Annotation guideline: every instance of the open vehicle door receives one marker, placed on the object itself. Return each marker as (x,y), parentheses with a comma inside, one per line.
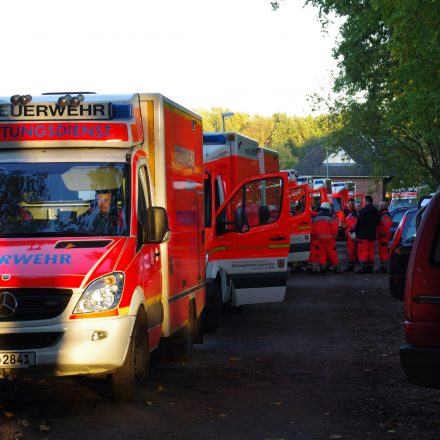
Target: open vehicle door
(251,241)
(300,223)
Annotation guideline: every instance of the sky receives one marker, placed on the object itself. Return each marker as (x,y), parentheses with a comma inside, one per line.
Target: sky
(238,55)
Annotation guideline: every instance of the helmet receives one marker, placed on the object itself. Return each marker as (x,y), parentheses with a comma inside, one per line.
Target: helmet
(326,205)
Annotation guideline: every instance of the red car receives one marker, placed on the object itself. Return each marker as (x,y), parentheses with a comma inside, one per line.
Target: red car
(420,356)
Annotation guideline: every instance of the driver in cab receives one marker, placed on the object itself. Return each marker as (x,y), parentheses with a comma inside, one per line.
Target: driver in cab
(102,218)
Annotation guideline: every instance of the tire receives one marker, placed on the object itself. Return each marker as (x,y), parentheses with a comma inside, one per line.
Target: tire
(136,364)
(213,309)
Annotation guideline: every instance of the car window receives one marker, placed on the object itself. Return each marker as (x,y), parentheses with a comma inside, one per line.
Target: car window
(409,230)
(397,216)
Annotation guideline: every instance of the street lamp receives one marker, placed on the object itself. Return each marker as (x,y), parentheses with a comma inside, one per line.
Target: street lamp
(225,115)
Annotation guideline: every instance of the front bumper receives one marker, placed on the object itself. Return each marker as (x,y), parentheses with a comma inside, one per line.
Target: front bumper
(73,352)
(421,365)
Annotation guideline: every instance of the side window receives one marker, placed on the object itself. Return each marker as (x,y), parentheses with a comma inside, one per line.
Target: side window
(255,204)
(409,230)
(297,201)
(217,194)
(143,200)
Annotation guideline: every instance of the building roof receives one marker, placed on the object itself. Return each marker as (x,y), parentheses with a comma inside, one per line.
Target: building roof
(315,164)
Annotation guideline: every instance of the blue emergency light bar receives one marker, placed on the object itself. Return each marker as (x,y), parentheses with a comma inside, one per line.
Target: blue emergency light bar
(121,111)
(214,138)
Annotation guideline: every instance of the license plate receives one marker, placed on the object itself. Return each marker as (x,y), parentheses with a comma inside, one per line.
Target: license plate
(17,359)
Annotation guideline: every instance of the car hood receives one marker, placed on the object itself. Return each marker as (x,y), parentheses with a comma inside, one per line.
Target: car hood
(64,263)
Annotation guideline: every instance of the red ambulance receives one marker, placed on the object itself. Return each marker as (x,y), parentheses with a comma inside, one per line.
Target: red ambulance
(247,226)
(102,252)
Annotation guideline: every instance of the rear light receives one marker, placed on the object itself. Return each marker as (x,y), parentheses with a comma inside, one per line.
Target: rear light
(397,235)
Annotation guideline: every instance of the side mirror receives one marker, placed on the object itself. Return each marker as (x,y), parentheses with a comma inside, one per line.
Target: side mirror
(156,230)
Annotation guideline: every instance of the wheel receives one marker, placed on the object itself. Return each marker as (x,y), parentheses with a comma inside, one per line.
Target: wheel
(213,309)
(136,364)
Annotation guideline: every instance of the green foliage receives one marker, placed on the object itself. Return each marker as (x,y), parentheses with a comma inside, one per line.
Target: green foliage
(388,87)
(288,135)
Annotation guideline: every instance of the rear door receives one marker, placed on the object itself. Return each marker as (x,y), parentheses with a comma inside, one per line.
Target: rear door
(252,240)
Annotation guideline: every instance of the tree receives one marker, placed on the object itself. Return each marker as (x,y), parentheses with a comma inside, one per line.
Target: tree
(388,88)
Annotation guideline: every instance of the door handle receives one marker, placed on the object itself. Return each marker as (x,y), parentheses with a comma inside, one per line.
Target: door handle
(278,238)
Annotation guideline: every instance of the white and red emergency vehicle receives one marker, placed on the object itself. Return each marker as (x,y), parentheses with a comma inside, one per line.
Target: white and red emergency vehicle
(404,197)
(269,160)
(247,245)
(91,291)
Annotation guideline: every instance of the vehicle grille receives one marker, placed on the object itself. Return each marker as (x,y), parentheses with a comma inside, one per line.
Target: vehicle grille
(28,341)
(36,303)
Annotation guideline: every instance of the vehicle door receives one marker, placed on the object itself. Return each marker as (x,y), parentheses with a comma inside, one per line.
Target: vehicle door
(252,240)
(300,220)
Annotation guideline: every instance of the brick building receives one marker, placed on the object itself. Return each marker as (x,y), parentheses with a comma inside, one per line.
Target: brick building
(341,167)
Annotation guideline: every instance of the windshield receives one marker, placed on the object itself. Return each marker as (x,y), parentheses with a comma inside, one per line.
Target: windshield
(397,216)
(63,199)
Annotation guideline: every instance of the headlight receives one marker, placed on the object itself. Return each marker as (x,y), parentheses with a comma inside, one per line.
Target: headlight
(103,294)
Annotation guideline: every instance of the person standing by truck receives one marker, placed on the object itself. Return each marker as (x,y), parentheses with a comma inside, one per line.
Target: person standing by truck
(324,231)
(365,230)
(352,247)
(383,235)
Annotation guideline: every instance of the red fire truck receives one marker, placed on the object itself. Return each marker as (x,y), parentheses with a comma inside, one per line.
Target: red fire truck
(247,245)
(102,240)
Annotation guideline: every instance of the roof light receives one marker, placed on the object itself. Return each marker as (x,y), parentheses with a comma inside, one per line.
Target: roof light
(15,99)
(74,102)
(21,99)
(25,99)
(214,138)
(121,111)
(62,101)
(71,101)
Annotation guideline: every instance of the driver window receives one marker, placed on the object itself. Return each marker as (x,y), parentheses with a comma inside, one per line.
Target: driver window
(255,204)
(297,201)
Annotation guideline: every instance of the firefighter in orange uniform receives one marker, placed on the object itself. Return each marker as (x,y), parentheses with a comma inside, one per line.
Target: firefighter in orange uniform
(324,231)
(352,250)
(383,236)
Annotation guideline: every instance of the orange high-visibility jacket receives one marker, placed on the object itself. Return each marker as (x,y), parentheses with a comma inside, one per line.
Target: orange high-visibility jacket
(383,230)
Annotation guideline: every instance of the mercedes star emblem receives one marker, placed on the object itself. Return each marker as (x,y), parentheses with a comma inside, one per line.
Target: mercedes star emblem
(8,304)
